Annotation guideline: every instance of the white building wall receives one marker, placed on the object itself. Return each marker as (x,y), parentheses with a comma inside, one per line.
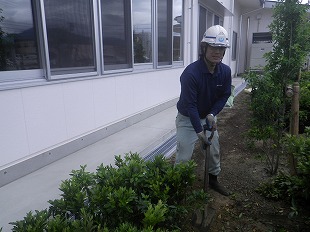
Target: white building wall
(39,118)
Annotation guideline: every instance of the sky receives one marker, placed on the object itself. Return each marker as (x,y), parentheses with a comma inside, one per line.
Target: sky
(303,1)
(13,11)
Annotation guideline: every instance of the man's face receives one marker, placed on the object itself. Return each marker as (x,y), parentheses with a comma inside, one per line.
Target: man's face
(215,54)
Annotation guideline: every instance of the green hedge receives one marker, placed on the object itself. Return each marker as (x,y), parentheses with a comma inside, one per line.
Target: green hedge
(134,195)
(304,104)
(293,188)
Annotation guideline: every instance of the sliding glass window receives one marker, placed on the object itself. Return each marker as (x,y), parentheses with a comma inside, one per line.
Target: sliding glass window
(57,39)
(142,31)
(116,33)
(18,40)
(177,30)
(216,20)
(164,30)
(202,26)
(209,19)
(70,36)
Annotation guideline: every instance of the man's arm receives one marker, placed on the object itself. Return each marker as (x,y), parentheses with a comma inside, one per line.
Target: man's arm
(189,89)
(224,95)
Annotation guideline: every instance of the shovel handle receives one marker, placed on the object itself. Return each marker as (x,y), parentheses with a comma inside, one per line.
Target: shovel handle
(207,128)
(206,151)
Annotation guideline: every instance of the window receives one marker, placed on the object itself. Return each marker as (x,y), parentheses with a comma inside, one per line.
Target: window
(142,31)
(209,19)
(234,46)
(216,20)
(70,36)
(116,33)
(202,25)
(164,29)
(18,38)
(60,39)
(177,30)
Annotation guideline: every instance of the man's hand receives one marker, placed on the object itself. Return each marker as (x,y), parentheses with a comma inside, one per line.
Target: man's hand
(203,139)
(211,121)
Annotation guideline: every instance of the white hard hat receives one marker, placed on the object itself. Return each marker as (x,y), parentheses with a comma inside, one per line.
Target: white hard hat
(216,36)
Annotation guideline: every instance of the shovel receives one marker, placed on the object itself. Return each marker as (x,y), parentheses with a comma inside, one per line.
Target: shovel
(206,154)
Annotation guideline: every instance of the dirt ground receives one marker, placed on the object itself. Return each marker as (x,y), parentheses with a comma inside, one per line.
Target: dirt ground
(242,172)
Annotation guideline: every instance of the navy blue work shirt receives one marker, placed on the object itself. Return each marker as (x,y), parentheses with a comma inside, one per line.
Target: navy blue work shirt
(202,92)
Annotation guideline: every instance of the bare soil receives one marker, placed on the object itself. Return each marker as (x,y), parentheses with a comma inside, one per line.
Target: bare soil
(243,169)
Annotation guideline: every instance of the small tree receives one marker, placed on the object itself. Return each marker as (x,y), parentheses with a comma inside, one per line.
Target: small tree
(291,35)
(291,43)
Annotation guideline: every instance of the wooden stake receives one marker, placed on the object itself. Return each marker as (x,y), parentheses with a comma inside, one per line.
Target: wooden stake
(294,124)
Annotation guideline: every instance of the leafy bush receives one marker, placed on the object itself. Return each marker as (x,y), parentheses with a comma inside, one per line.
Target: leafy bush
(304,102)
(267,121)
(295,189)
(135,195)
(270,106)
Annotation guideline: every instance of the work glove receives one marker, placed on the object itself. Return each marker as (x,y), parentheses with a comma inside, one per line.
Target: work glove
(203,139)
(211,121)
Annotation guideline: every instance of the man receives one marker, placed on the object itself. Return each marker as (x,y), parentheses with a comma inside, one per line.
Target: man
(205,88)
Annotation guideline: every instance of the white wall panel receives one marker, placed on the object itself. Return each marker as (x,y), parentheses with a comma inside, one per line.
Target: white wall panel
(44,116)
(13,137)
(124,96)
(79,107)
(156,88)
(141,92)
(37,118)
(154,83)
(104,101)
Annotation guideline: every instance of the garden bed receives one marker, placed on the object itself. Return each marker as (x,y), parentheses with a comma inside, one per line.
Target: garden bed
(243,169)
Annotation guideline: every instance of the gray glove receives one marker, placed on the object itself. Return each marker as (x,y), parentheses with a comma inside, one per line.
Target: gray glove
(211,121)
(203,139)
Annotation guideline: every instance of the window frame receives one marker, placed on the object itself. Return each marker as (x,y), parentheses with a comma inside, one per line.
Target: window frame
(128,32)
(202,24)
(179,62)
(169,31)
(13,76)
(58,75)
(145,65)
(208,22)
(45,74)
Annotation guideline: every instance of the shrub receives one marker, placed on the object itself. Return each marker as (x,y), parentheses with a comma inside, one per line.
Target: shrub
(270,106)
(135,195)
(294,189)
(304,102)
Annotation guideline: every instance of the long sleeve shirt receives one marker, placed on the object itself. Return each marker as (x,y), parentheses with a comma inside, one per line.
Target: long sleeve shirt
(203,93)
